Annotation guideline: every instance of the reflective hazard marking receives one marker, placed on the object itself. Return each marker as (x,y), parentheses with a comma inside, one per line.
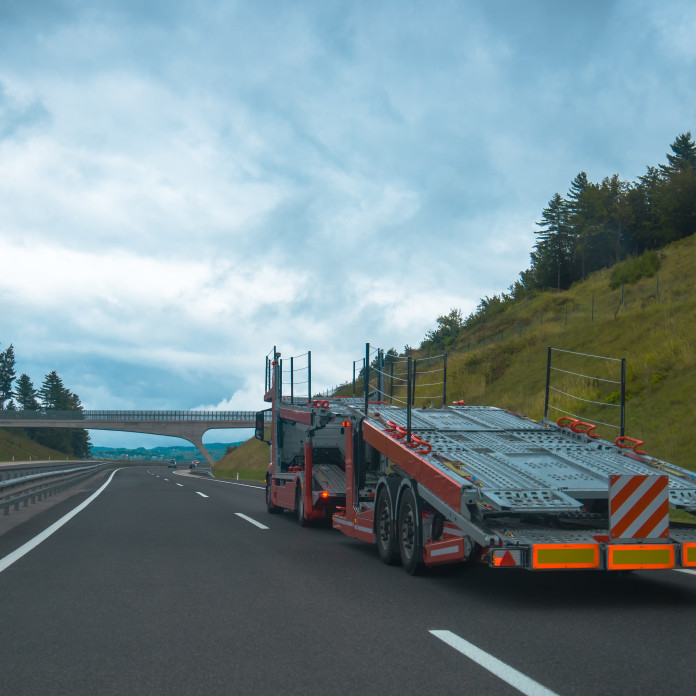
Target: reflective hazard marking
(638,507)
(640,556)
(565,556)
(688,555)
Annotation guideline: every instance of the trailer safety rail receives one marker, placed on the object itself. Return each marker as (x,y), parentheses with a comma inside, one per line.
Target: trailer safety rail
(602,389)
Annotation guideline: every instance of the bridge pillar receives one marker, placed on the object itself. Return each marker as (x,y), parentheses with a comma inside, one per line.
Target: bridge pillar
(197,440)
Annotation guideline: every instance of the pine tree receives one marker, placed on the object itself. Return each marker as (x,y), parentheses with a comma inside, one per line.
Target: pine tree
(25,394)
(554,250)
(53,394)
(684,156)
(7,374)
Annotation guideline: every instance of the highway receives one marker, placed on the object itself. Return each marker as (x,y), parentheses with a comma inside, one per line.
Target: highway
(167,583)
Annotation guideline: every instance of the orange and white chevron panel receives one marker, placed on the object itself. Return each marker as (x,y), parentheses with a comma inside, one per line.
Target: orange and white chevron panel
(638,507)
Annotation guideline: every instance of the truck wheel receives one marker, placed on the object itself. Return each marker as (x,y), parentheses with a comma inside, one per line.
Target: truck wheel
(384,529)
(299,507)
(409,533)
(273,509)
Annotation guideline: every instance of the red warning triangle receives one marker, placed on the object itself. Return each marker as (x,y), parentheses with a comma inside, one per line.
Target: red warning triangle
(508,560)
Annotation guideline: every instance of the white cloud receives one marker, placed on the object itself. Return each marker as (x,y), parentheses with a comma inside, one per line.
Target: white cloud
(181,189)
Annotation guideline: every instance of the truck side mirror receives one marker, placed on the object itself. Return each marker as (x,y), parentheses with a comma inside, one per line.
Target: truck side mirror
(260,425)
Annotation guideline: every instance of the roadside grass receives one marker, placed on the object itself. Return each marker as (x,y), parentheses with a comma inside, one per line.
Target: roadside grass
(16,446)
(249,460)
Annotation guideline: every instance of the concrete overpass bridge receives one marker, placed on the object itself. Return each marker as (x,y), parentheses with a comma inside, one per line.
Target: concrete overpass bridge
(188,425)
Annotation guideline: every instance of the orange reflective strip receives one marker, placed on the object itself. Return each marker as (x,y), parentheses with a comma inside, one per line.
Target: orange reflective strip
(688,555)
(565,556)
(637,556)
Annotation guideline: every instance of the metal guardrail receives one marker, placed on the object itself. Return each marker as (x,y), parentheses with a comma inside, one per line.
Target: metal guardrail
(131,415)
(19,487)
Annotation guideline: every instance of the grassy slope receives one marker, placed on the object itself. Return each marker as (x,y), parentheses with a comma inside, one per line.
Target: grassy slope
(250,460)
(14,446)
(655,333)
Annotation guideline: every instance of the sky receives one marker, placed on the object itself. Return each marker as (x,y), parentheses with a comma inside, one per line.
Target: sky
(184,185)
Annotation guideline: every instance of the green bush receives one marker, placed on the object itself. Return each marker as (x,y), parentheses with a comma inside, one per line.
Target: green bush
(635,268)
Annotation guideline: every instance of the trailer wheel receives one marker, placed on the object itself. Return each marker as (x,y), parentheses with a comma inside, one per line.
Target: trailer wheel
(272,509)
(384,529)
(300,507)
(409,532)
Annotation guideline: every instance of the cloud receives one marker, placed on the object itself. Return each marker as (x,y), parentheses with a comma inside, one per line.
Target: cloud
(185,186)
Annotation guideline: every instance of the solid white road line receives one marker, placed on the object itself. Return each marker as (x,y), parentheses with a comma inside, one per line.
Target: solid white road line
(246,485)
(508,674)
(203,495)
(33,543)
(249,519)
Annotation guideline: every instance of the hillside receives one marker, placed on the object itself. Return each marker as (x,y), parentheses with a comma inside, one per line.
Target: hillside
(15,446)
(249,460)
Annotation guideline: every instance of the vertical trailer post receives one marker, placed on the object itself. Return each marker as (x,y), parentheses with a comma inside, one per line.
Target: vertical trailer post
(353,377)
(548,383)
(444,381)
(408,401)
(380,375)
(391,383)
(309,376)
(623,397)
(280,367)
(292,381)
(366,375)
(413,388)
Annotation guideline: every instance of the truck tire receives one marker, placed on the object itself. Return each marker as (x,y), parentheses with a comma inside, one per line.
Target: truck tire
(300,507)
(384,529)
(408,531)
(272,509)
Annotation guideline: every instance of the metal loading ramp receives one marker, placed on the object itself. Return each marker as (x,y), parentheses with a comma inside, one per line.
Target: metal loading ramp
(521,466)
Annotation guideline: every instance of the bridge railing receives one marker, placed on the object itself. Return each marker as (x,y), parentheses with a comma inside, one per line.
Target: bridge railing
(169,416)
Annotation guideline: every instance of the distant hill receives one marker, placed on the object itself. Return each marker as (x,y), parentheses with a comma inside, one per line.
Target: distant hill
(180,453)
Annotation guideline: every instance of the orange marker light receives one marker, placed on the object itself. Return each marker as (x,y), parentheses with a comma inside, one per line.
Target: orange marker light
(324,494)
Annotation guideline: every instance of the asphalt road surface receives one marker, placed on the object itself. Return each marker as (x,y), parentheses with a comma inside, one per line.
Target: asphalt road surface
(172,584)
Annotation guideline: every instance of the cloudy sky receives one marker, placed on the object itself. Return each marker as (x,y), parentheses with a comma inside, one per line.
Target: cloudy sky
(184,184)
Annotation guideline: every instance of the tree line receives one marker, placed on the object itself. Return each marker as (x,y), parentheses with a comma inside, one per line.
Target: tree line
(53,395)
(594,226)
